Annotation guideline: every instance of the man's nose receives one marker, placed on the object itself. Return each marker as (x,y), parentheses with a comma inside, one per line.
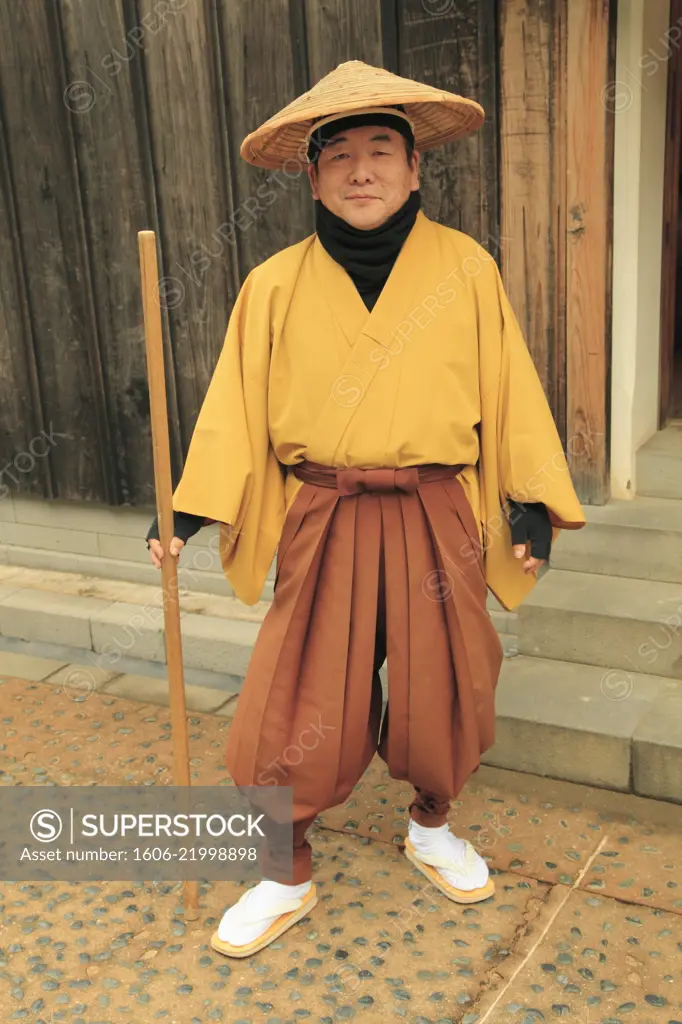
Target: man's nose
(361,170)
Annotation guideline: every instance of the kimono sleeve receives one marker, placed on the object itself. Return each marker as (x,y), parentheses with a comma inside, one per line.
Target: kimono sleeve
(229,465)
(531,462)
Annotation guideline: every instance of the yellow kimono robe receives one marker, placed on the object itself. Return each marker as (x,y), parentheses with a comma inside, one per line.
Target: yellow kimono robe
(438,371)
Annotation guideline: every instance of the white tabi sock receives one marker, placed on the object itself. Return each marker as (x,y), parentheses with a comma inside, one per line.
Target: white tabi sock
(261,898)
(466,870)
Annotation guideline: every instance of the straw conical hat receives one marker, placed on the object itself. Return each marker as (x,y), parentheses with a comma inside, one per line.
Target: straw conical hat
(437,116)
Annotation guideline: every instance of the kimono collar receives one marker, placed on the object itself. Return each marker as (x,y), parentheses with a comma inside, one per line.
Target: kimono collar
(366,255)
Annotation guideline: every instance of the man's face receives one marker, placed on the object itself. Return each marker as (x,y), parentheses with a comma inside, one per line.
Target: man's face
(363,176)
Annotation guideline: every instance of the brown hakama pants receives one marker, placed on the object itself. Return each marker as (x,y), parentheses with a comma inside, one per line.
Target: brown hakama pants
(372,564)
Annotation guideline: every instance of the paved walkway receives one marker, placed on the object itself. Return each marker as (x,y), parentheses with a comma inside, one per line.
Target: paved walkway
(585,925)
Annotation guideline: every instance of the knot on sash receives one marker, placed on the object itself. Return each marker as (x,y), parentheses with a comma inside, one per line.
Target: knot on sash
(354,480)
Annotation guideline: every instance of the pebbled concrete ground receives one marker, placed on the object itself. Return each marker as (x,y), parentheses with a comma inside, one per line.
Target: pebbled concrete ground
(585,924)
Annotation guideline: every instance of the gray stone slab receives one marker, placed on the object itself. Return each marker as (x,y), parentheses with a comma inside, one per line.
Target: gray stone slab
(86,517)
(642,511)
(48,537)
(228,684)
(510,644)
(25,666)
(156,691)
(639,539)
(568,721)
(10,573)
(124,629)
(7,509)
(61,654)
(504,622)
(228,709)
(116,569)
(657,747)
(591,593)
(53,618)
(78,678)
(218,645)
(196,555)
(664,442)
(557,752)
(9,587)
(659,464)
(613,622)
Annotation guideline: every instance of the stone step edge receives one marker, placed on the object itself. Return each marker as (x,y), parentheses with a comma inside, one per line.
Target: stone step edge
(199,699)
(587,730)
(138,592)
(192,602)
(596,580)
(621,511)
(73,584)
(204,643)
(82,622)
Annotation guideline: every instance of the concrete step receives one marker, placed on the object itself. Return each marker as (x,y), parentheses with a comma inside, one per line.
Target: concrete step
(199,563)
(640,539)
(113,619)
(571,721)
(510,644)
(630,626)
(658,464)
(90,542)
(560,720)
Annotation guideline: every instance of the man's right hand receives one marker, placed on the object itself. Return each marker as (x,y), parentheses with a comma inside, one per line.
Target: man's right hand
(156,551)
(185,524)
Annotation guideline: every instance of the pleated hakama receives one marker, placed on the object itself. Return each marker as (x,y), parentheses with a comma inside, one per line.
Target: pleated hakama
(372,564)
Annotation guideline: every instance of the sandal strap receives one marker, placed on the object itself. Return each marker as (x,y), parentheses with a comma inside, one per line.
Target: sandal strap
(461,866)
(246,914)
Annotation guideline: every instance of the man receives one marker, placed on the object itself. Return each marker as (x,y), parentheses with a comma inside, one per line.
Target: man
(376,416)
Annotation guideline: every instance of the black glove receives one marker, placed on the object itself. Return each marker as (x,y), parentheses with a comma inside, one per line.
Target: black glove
(529,521)
(185,525)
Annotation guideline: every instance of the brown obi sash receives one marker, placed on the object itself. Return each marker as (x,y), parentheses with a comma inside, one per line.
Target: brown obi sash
(352,480)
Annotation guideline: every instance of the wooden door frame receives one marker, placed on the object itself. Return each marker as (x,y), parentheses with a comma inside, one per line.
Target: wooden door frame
(590,122)
(561,287)
(670,256)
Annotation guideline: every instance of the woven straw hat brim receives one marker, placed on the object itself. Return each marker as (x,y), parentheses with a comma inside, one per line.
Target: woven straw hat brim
(438,116)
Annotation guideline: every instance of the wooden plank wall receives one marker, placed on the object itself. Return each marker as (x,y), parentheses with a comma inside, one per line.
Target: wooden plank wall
(589,204)
(50,296)
(103,101)
(119,115)
(556,58)
(533,182)
(454,45)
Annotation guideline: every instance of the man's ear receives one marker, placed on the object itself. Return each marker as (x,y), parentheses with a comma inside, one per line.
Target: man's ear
(312,177)
(415,164)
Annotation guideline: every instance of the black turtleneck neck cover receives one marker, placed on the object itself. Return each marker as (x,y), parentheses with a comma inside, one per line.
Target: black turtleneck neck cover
(366,255)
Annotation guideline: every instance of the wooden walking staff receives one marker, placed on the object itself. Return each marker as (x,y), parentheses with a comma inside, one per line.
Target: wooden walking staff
(164,507)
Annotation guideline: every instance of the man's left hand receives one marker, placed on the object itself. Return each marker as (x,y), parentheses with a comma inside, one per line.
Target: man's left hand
(531,565)
(531,533)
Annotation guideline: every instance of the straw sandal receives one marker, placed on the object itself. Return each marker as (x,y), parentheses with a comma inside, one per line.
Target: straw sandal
(434,876)
(290,911)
